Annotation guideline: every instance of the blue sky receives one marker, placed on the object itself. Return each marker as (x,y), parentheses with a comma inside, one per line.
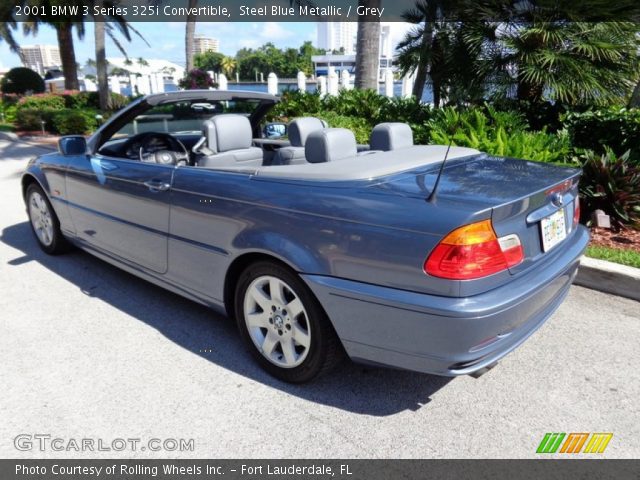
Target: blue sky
(167,39)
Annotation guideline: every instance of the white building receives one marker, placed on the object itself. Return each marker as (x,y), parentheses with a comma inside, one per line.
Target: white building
(202,44)
(40,57)
(337,36)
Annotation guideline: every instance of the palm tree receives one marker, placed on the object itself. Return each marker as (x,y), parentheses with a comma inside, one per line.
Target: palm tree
(190,31)
(102,27)
(228,65)
(368,48)
(547,54)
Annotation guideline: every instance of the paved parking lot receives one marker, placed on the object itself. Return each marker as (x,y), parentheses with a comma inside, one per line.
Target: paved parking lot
(88,351)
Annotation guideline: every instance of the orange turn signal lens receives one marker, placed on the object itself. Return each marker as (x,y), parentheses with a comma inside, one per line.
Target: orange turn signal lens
(473,251)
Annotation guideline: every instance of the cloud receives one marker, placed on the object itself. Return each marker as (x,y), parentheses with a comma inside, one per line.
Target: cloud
(274,31)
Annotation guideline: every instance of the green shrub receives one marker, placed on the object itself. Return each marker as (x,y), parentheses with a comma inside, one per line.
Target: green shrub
(359,126)
(8,111)
(538,116)
(294,103)
(610,183)
(356,103)
(22,80)
(117,100)
(45,101)
(616,128)
(70,122)
(29,119)
(497,133)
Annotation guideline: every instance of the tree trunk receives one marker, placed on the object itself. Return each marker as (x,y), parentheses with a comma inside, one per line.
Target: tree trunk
(101,62)
(67,55)
(421,71)
(189,34)
(368,48)
(634,101)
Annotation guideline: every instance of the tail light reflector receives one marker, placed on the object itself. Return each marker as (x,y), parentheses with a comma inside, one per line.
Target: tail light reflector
(473,251)
(576,211)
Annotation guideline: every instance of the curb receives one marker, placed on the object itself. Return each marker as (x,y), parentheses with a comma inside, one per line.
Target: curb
(12,137)
(608,277)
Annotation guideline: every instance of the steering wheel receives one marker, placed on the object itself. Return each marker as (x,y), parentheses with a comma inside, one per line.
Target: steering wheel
(176,154)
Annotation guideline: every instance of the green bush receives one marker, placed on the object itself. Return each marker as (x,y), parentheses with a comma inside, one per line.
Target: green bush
(8,111)
(117,101)
(45,101)
(29,119)
(294,103)
(70,122)
(497,133)
(610,183)
(615,128)
(356,103)
(359,126)
(21,80)
(538,116)
(72,100)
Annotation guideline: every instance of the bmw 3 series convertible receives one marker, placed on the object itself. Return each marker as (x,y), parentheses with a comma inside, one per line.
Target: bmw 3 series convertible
(431,258)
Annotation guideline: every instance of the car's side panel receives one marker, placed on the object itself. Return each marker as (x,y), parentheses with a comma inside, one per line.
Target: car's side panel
(217,216)
(113,209)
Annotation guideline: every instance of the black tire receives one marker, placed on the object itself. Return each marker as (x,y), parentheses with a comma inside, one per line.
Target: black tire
(57,243)
(324,351)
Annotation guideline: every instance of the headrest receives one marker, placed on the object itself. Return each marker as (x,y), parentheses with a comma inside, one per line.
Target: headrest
(301,127)
(329,145)
(391,136)
(228,131)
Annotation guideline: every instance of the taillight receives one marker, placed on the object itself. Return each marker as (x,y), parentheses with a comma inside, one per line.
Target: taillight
(473,251)
(576,211)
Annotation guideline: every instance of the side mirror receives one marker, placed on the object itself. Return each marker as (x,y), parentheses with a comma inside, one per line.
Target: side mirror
(72,145)
(275,130)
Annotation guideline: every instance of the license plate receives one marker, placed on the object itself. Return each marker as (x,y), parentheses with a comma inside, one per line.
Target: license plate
(553,229)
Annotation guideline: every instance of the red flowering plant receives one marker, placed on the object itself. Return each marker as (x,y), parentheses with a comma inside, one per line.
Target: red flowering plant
(196,79)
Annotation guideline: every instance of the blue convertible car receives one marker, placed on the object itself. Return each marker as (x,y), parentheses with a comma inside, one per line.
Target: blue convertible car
(318,246)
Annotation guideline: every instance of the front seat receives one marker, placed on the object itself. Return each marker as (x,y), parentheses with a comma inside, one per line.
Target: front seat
(298,131)
(391,136)
(229,139)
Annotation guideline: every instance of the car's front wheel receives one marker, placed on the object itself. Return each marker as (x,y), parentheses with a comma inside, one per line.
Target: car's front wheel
(283,324)
(44,222)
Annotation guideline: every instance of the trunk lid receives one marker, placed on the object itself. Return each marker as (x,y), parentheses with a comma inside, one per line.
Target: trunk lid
(518,195)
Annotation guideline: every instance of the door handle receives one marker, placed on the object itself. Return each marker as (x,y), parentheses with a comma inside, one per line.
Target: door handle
(157,185)
(108,166)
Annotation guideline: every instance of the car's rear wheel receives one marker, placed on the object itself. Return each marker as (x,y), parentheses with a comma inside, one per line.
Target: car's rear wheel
(283,324)
(44,222)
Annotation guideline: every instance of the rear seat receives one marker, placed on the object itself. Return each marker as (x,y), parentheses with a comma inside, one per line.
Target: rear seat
(391,136)
(299,131)
(330,145)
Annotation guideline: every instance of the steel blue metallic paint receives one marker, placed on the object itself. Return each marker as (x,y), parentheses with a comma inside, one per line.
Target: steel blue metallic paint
(359,245)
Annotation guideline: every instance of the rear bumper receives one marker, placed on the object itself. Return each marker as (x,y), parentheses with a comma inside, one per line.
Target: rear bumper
(445,335)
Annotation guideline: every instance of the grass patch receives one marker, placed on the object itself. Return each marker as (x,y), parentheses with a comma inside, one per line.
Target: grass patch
(615,255)
(7,127)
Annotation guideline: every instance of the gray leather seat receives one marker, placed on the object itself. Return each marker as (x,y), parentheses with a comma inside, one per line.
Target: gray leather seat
(229,141)
(298,131)
(391,136)
(330,145)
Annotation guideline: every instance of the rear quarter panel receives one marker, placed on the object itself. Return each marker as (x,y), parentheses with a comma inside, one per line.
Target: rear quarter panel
(350,231)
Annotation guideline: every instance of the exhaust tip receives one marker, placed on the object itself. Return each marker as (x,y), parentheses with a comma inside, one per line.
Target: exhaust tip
(483,370)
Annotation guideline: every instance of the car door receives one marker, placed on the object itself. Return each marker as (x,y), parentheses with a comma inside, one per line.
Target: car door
(122,207)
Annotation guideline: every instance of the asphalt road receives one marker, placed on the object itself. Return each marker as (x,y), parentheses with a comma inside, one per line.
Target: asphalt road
(87,351)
